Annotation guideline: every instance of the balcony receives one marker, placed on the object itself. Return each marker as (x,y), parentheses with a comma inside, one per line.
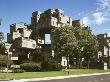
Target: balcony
(25,43)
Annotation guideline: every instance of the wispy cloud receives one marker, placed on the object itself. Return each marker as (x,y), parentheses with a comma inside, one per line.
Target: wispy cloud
(99,16)
(86,20)
(103,4)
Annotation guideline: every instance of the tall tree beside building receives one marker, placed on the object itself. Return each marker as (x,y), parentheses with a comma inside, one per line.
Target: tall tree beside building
(3,57)
(64,42)
(2,47)
(1,40)
(87,45)
(74,42)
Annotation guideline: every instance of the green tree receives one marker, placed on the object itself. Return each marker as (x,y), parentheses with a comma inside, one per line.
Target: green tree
(75,42)
(4,60)
(87,44)
(64,42)
(51,64)
(2,47)
(90,50)
(36,55)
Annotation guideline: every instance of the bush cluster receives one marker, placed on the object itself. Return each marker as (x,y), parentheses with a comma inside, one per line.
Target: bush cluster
(2,68)
(31,67)
(18,71)
(51,65)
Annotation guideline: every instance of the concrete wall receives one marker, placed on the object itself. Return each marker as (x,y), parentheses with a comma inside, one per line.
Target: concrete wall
(28,43)
(64,61)
(105,50)
(12,36)
(26,33)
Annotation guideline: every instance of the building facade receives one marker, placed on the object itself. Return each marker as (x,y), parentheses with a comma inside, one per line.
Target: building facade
(104,48)
(23,38)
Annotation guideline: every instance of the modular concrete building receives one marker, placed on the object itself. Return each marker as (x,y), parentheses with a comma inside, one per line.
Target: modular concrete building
(23,38)
(104,48)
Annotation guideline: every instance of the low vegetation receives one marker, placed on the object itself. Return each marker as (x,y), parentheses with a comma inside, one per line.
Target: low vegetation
(27,75)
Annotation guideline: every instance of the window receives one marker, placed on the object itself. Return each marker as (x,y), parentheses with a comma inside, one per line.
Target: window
(33,45)
(64,62)
(47,39)
(26,37)
(20,30)
(53,22)
(60,18)
(39,41)
(61,14)
(68,22)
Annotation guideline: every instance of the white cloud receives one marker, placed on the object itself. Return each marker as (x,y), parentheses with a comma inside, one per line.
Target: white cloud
(95,18)
(103,4)
(86,20)
(99,16)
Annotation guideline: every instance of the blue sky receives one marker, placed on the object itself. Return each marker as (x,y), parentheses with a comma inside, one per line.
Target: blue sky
(94,13)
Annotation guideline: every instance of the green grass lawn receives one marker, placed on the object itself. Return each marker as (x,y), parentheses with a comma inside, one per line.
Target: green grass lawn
(50,74)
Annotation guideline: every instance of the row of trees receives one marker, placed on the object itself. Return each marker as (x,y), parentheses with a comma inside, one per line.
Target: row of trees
(75,43)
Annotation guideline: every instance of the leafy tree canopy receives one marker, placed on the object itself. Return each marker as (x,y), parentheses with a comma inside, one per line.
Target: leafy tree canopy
(78,42)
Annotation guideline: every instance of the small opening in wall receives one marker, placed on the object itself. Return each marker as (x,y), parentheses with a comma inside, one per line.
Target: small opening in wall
(64,62)
(53,22)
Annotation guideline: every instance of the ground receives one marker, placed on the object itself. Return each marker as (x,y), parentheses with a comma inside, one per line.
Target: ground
(27,75)
(94,78)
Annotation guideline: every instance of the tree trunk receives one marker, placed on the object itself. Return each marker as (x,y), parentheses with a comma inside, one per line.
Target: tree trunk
(79,63)
(67,62)
(88,64)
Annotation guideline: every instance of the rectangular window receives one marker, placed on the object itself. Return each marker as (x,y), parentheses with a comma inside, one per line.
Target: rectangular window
(47,39)
(60,19)
(53,22)
(33,45)
(64,62)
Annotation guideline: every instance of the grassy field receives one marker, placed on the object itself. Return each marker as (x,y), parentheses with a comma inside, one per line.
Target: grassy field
(50,74)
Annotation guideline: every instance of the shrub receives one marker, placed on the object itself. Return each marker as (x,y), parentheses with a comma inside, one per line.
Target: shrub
(18,71)
(2,68)
(51,65)
(31,67)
